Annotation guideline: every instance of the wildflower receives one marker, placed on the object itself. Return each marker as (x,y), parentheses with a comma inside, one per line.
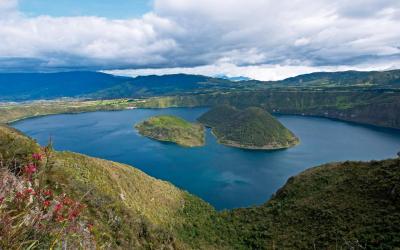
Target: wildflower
(29,191)
(46,203)
(73,214)
(47,192)
(37,156)
(19,195)
(58,207)
(1,200)
(30,168)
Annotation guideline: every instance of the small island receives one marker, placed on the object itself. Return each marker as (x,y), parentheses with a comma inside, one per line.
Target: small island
(251,128)
(173,129)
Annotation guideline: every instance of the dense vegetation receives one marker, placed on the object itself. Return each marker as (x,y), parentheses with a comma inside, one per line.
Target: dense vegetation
(251,128)
(172,129)
(350,205)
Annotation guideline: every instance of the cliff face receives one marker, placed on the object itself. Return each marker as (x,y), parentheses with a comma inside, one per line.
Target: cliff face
(374,108)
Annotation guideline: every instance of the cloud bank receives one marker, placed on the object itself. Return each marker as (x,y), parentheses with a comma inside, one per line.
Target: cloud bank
(261,39)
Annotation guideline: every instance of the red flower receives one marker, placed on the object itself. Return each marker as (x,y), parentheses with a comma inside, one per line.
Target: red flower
(37,156)
(73,214)
(58,208)
(1,200)
(19,195)
(46,203)
(90,227)
(47,192)
(30,169)
(29,191)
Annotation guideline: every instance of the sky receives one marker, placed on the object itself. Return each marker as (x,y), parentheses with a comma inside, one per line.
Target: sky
(260,39)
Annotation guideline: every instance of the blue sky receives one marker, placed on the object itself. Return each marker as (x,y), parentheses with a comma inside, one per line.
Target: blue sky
(104,8)
(260,39)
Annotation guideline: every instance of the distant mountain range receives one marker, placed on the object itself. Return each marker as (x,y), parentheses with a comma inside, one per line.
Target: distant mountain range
(36,86)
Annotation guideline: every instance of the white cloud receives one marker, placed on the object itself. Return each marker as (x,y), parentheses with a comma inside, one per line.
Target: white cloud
(263,72)
(266,38)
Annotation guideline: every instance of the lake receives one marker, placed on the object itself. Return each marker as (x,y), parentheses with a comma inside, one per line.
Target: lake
(223,176)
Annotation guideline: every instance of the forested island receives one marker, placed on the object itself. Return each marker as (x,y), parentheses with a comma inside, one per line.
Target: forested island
(172,129)
(250,128)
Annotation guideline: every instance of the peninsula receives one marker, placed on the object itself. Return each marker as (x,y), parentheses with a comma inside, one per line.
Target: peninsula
(251,128)
(172,129)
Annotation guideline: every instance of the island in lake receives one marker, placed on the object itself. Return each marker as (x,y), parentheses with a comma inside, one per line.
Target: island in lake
(251,128)
(173,129)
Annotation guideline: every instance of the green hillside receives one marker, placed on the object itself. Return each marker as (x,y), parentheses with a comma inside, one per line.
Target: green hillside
(350,205)
(251,128)
(127,207)
(172,129)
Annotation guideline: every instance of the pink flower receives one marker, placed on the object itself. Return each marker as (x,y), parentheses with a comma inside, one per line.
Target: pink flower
(58,208)
(29,191)
(37,156)
(30,169)
(47,192)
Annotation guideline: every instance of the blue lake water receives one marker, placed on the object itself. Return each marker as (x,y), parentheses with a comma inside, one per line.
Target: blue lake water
(225,177)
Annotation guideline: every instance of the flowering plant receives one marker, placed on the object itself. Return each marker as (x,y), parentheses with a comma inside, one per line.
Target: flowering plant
(35,216)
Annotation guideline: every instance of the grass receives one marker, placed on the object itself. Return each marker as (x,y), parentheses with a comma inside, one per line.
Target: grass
(173,129)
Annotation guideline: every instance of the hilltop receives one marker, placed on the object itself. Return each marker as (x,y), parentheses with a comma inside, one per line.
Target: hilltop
(172,129)
(251,128)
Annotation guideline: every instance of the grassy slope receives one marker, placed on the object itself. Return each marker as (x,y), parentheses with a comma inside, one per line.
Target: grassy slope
(172,129)
(128,207)
(249,128)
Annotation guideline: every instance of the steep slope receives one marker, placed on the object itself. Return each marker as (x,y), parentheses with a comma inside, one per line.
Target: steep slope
(172,129)
(251,128)
(128,208)
(350,205)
